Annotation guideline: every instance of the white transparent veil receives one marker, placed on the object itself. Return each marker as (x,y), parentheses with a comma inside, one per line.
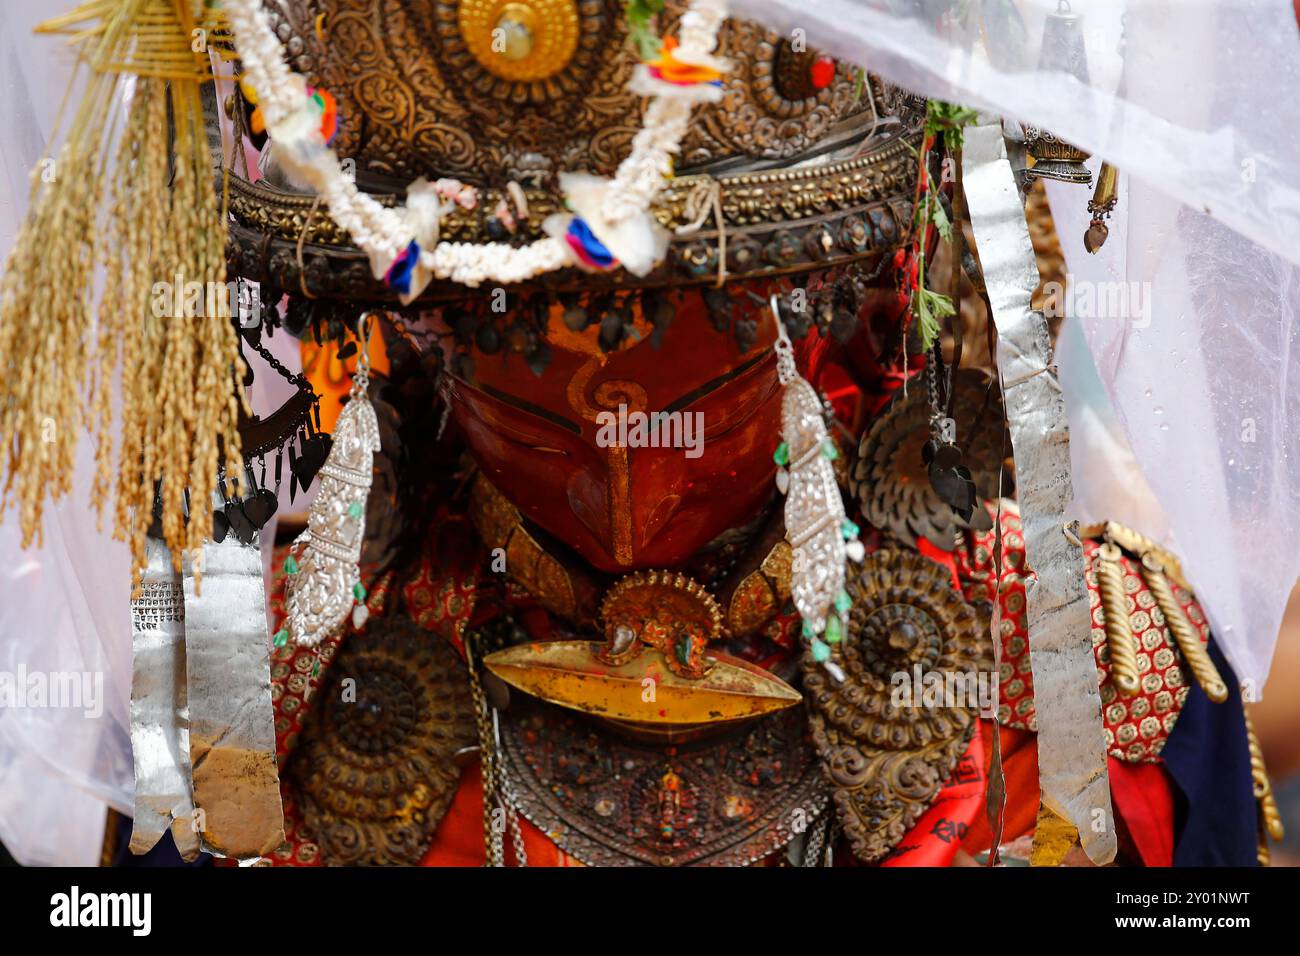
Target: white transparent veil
(1197,102)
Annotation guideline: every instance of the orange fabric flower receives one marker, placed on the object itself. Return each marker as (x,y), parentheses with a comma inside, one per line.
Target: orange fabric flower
(669,69)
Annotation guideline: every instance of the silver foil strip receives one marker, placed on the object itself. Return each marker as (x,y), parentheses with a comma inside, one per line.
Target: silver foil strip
(1071,740)
(232,722)
(160,734)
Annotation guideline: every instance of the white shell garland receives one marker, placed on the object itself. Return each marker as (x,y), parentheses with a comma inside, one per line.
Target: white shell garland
(819,532)
(384,233)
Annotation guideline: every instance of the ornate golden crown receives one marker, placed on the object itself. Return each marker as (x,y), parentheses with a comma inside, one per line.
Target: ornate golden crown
(507,95)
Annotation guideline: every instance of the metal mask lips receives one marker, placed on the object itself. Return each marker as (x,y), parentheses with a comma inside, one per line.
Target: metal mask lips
(544,441)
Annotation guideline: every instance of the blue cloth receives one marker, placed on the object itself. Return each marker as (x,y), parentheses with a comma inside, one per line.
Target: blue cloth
(399,273)
(1208,757)
(593,251)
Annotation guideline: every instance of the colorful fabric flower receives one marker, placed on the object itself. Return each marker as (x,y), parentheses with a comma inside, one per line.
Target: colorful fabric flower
(328,111)
(398,276)
(322,101)
(590,251)
(668,69)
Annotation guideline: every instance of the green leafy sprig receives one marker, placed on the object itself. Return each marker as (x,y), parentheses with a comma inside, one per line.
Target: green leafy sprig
(640,16)
(944,127)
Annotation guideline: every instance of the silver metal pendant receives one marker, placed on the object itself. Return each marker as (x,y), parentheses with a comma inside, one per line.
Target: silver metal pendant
(820,534)
(323,581)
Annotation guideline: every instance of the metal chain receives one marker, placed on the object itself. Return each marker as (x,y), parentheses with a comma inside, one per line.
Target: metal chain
(298,379)
(512,816)
(832,833)
(492,844)
(812,852)
(932,396)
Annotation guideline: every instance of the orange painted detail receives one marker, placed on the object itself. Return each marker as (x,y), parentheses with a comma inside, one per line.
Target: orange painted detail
(332,377)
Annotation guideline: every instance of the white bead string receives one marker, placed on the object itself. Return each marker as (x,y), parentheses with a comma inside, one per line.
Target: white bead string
(383,232)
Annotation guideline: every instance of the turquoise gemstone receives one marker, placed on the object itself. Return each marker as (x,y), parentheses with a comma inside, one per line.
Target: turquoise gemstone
(281,638)
(358,591)
(684,650)
(834,629)
(821,651)
(355,511)
(843,602)
(291,565)
(782,454)
(829,451)
(849,530)
(808,632)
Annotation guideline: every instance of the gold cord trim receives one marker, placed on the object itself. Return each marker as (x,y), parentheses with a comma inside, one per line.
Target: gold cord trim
(1119,635)
(1189,642)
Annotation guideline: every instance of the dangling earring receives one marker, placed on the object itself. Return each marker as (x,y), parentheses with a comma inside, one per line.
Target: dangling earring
(323,581)
(820,535)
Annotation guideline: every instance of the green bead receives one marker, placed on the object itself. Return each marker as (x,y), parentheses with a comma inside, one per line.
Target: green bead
(281,637)
(358,591)
(834,630)
(849,530)
(782,454)
(821,652)
(843,602)
(808,632)
(355,511)
(291,565)
(315,668)
(829,451)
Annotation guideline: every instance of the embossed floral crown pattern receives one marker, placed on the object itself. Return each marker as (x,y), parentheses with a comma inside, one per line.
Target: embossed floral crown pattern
(421,94)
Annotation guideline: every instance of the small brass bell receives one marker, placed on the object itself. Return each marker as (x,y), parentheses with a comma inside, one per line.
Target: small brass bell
(1063,51)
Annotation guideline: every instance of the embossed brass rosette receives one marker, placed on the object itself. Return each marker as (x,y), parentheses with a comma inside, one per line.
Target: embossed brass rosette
(890,480)
(891,733)
(375,772)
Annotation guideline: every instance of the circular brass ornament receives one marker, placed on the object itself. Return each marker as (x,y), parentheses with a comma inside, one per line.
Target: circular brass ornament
(375,770)
(888,744)
(520,40)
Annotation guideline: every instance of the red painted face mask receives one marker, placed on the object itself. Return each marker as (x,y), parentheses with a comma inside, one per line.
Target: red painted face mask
(636,458)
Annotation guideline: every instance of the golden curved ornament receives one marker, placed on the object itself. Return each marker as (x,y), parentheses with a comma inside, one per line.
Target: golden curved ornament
(669,612)
(642,692)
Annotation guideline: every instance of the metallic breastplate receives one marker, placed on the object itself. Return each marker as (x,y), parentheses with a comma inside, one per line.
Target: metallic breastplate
(729,800)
